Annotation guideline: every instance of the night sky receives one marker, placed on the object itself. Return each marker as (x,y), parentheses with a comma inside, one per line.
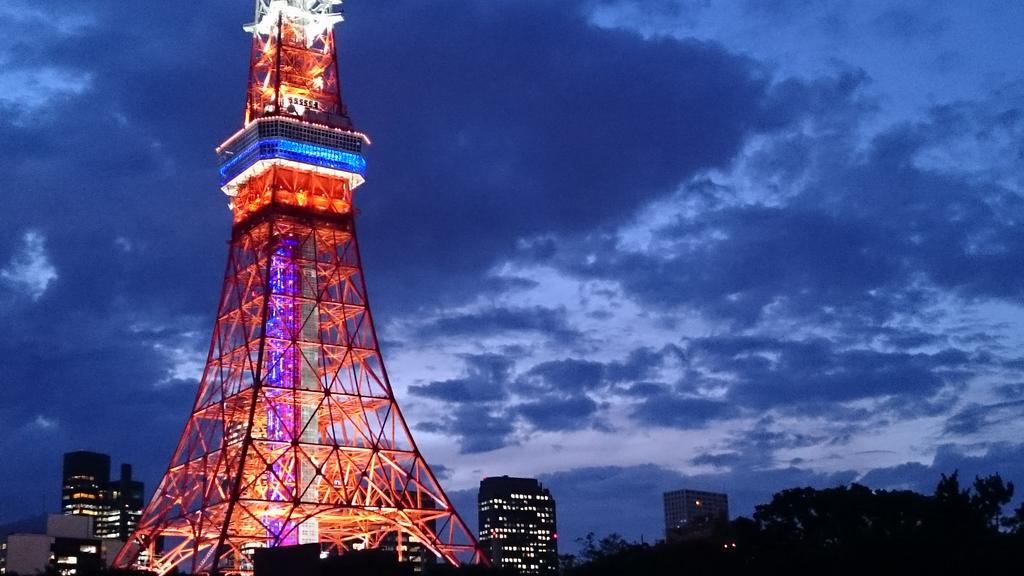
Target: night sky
(624,246)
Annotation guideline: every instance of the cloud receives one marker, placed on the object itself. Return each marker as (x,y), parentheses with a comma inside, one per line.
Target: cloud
(477,428)
(185,358)
(30,271)
(976,419)
(52,18)
(45,423)
(548,124)
(124,244)
(776,372)
(563,377)
(811,225)
(1002,458)
(486,380)
(559,414)
(664,409)
(27,92)
(538,320)
(472,410)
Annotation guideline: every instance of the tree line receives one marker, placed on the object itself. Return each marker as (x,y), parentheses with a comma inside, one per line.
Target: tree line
(838,531)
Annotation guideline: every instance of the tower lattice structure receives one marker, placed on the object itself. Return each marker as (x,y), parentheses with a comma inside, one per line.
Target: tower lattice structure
(295,436)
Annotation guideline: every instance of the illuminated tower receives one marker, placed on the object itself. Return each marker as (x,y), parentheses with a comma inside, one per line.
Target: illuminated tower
(295,436)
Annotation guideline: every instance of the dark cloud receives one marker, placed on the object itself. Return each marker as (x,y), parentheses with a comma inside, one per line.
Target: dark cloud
(563,377)
(718,460)
(979,418)
(643,363)
(704,380)
(542,125)
(559,414)
(642,389)
(1006,460)
(676,411)
(865,238)
(486,380)
(761,445)
(1011,391)
(474,414)
(753,374)
(771,372)
(476,428)
(562,392)
(491,321)
(570,375)
(556,395)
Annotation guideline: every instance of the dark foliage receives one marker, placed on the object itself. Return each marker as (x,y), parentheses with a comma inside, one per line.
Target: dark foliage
(104,572)
(446,570)
(838,531)
(376,562)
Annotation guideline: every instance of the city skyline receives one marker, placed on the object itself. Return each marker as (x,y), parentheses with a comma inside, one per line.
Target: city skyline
(621,246)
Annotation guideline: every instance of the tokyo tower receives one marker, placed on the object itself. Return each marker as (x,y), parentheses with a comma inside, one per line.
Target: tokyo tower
(295,436)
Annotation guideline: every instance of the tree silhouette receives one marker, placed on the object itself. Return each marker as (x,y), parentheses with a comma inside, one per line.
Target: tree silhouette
(838,531)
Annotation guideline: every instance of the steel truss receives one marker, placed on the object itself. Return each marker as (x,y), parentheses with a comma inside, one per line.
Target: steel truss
(295,436)
(294,62)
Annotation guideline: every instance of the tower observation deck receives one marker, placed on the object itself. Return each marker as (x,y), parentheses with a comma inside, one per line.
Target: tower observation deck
(295,436)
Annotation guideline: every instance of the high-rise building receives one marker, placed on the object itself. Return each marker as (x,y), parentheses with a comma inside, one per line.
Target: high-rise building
(86,479)
(295,436)
(693,513)
(517,524)
(113,507)
(125,500)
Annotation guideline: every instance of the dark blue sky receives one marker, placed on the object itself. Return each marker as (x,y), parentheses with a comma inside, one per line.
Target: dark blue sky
(627,246)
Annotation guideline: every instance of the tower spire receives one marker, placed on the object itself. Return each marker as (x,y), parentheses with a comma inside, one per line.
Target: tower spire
(295,436)
(293,68)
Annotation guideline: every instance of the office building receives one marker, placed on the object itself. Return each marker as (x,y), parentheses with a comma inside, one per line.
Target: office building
(68,548)
(86,480)
(693,513)
(517,525)
(114,506)
(125,507)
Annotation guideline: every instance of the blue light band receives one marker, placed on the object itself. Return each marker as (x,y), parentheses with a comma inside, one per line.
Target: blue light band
(291,150)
